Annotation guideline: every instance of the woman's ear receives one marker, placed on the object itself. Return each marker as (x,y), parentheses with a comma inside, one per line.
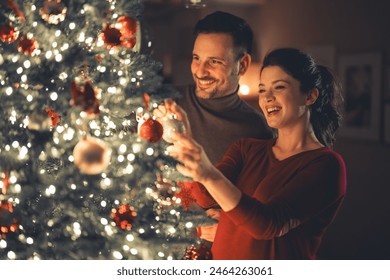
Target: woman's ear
(312,96)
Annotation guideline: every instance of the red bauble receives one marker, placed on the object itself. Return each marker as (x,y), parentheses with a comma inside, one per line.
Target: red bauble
(91,155)
(111,37)
(151,130)
(124,216)
(85,96)
(127,27)
(53,11)
(198,253)
(8,34)
(8,222)
(28,46)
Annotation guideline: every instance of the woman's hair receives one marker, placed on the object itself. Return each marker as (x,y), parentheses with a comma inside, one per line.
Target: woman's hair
(324,115)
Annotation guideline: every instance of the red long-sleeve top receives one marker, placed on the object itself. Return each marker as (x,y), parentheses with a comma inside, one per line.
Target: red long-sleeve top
(286,205)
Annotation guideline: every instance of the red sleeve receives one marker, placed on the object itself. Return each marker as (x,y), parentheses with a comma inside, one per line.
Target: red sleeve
(317,189)
(230,166)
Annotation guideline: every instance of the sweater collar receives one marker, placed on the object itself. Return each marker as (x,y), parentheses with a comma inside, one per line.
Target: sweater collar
(224,103)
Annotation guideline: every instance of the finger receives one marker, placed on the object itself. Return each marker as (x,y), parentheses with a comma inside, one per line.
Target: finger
(185,171)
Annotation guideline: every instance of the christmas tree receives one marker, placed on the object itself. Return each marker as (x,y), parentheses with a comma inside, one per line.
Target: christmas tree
(83,168)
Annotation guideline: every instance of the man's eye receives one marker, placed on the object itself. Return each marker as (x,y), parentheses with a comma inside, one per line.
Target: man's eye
(214,61)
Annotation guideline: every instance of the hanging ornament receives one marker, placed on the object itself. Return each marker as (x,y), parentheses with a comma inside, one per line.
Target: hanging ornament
(8,222)
(128,28)
(184,196)
(85,97)
(124,216)
(53,11)
(5,182)
(8,33)
(55,118)
(111,37)
(39,121)
(28,46)
(198,253)
(16,10)
(91,155)
(150,130)
(171,126)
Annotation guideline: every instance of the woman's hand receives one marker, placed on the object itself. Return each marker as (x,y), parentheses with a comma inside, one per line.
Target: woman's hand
(195,163)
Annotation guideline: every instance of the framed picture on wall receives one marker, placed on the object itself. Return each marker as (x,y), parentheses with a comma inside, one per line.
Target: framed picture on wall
(360,75)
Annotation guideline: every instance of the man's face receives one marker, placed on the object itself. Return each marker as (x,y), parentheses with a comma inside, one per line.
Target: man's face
(214,67)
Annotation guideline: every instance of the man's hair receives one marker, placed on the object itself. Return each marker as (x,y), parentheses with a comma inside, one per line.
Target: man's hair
(222,22)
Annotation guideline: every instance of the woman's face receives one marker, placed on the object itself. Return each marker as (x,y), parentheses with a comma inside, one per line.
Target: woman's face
(281,99)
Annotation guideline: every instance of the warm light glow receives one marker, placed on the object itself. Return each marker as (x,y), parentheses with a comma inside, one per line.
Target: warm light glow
(249,82)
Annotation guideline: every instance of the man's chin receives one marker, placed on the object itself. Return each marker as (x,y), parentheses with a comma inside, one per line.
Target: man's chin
(204,94)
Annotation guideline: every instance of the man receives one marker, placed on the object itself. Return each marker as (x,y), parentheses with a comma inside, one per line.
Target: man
(217,115)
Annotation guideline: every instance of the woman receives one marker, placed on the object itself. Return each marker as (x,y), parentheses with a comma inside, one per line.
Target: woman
(278,196)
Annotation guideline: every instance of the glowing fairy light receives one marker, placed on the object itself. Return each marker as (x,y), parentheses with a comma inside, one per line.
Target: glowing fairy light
(160,254)
(11,255)
(50,190)
(27,64)
(149,151)
(19,70)
(3,244)
(104,221)
(130,237)
(58,57)
(121,158)
(111,90)
(129,169)
(127,61)
(71,158)
(81,37)
(63,76)
(120,73)
(117,255)
(122,148)
(17,188)
(73,186)
(103,203)
(9,91)
(101,69)
(131,157)
(134,251)
(23,78)
(57,33)
(23,152)
(89,40)
(15,58)
(48,54)
(65,47)
(123,81)
(54,45)
(97,133)
(189,225)
(172,230)
(133,80)
(29,240)
(53,96)
(139,73)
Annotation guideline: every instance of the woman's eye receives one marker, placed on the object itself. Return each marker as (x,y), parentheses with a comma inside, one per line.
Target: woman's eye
(279,87)
(261,91)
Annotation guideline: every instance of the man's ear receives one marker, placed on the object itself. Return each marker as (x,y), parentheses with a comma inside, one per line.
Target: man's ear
(312,96)
(245,61)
